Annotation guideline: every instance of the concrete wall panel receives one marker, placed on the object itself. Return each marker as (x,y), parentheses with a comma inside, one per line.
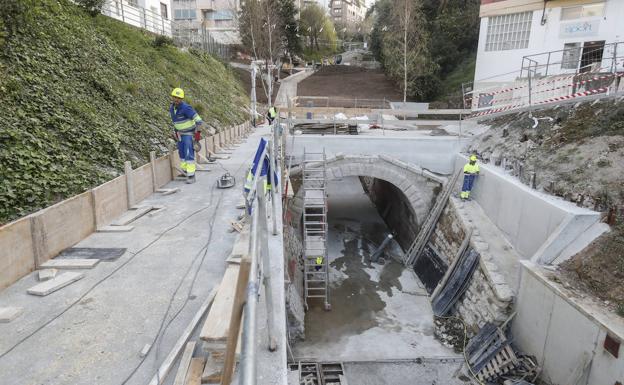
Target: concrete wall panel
(17,256)
(565,332)
(526,217)
(142,181)
(211,143)
(111,200)
(163,171)
(63,225)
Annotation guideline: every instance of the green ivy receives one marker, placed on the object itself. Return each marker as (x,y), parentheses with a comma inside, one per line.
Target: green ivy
(79,95)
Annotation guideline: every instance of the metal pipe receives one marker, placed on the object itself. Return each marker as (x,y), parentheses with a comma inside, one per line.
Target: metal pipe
(272,182)
(248,336)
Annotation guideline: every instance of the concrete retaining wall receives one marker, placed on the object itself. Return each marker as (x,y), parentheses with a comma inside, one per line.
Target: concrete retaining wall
(537,225)
(566,333)
(436,154)
(17,257)
(32,240)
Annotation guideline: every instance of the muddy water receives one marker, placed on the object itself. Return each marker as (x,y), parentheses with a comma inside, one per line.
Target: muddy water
(355,231)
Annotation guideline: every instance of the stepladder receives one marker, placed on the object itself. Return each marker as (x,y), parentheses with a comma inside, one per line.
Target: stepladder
(315,258)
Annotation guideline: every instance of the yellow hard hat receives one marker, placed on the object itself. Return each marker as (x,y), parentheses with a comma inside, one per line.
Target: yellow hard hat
(473,157)
(178,93)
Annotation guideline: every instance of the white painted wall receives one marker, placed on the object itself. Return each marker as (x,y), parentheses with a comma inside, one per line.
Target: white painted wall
(495,68)
(565,333)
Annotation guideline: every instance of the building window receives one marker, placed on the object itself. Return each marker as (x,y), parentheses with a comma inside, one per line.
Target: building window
(185,14)
(163,11)
(507,32)
(571,56)
(580,11)
(134,3)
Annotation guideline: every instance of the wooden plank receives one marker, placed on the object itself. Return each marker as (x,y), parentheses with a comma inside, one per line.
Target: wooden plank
(185,362)
(212,371)
(131,215)
(115,229)
(55,284)
(78,263)
(218,319)
(235,320)
(167,364)
(8,314)
(195,371)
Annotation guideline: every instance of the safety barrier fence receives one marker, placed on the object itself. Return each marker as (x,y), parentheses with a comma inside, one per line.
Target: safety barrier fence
(541,84)
(32,240)
(328,101)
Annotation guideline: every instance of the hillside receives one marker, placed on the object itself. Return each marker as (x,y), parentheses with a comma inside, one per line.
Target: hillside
(79,95)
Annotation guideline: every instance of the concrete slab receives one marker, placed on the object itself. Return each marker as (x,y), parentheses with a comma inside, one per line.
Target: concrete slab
(131,216)
(115,229)
(55,284)
(8,314)
(68,264)
(420,372)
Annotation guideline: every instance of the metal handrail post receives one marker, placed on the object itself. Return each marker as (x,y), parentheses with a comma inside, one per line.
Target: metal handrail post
(266,269)
(248,336)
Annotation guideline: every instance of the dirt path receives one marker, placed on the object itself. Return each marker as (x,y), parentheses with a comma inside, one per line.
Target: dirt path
(350,82)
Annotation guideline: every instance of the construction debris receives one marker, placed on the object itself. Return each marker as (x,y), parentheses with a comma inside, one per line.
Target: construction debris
(47,274)
(450,332)
(55,284)
(115,229)
(145,350)
(8,314)
(327,128)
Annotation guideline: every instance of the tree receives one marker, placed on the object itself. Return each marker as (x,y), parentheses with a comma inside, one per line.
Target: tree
(313,20)
(287,15)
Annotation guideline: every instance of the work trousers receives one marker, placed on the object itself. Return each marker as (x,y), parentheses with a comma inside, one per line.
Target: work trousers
(187,154)
(467,186)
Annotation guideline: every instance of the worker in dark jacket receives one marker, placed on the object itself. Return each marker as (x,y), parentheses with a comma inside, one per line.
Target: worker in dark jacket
(471,170)
(185,121)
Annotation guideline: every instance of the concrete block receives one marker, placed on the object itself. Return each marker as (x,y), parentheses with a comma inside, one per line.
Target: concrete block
(110,200)
(47,274)
(55,284)
(63,225)
(8,314)
(77,263)
(145,350)
(17,256)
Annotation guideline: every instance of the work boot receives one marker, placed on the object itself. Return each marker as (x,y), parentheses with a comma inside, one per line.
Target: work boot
(190,179)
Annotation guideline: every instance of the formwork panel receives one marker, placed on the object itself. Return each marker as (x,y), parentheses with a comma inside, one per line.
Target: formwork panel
(16,252)
(110,200)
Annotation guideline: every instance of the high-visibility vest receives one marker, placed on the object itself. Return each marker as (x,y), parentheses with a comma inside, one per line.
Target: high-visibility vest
(184,117)
(319,260)
(272,112)
(471,168)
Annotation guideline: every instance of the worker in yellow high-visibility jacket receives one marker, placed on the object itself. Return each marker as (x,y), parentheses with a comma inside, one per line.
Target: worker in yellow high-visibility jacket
(471,170)
(186,123)
(319,263)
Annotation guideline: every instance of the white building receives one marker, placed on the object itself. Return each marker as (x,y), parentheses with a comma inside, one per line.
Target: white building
(347,12)
(152,15)
(547,38)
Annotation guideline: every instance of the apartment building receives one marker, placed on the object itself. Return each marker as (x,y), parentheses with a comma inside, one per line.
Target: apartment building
(347,12)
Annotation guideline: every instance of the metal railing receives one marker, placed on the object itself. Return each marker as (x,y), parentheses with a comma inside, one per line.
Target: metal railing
(552,77)
(182,34)
(130,13)
(331,101)
(260,271)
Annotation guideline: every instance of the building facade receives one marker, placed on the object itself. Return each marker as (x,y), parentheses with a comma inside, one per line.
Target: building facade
(347,12)
(547,38)
(151,15)
(211,14)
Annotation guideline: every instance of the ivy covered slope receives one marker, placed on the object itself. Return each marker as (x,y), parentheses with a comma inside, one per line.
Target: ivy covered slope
(79,95)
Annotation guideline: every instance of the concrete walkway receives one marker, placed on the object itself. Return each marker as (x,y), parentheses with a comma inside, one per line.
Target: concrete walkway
(92,331)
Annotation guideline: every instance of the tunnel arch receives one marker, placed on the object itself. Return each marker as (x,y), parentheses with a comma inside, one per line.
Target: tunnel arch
(418,185)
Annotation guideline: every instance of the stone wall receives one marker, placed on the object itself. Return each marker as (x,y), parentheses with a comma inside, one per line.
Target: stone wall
(488,297)
(293,251)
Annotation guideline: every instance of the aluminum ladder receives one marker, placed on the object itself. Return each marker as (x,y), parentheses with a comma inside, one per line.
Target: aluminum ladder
(418,245)
(316,276)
